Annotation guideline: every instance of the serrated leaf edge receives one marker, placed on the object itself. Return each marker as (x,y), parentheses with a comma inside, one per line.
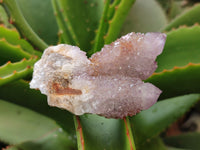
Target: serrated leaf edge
(175,68)
(14,74)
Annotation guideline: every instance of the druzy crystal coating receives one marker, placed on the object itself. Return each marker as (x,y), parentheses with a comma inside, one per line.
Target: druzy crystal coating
(110,83)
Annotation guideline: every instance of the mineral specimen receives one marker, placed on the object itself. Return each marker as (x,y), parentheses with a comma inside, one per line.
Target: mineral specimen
(109,83)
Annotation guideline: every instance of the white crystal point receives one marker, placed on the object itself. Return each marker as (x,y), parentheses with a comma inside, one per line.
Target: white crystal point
(62,61)
(108,84)
(132,55)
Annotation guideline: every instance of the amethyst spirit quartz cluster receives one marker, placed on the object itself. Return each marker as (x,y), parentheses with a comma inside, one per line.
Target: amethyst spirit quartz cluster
(109,83)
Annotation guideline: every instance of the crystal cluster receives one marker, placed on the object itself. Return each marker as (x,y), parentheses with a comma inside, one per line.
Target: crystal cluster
(109,83)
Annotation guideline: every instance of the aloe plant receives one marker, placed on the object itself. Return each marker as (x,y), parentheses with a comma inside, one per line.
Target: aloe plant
(28,27)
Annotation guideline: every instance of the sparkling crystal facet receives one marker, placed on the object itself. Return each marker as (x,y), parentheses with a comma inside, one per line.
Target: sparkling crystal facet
(109,83)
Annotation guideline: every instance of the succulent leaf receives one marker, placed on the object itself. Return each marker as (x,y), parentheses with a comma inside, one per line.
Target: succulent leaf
(153,144)
(106,133)
(174,148)
(11,52)
(18,123)
(13,37)
(185,141)
(83,23)
(64,34)
(117,20)
(102,29)
(18,19)
(149,123)
(188,18)
(39,15)
(185,78)
(111,23)
(19,93)
(56,140)
(179,63)
(11,148)
(4,18)
(14,71)
(140,19)
(182,47)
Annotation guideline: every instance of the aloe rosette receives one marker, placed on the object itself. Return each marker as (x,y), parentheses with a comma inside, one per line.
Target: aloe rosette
(26,120)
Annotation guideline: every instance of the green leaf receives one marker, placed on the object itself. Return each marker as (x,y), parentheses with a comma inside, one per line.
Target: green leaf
(11,148)
(188,17)
(13,37)
(18,19)
(186,141)
(149,123)
(17,124)
(63,33)
(11,52)
(39,15)
(112,134)
(4,18)
(140,18)
(165,4)
(111,22)
(19,93)
(182,47)
(102,29)
(14,71)
(177,81)
(175,9)
(117,19)
(173,148)
(179,63)
(82,19)
(153,144)
(55,140)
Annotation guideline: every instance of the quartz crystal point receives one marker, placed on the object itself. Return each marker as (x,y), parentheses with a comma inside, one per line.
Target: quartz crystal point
(108,84)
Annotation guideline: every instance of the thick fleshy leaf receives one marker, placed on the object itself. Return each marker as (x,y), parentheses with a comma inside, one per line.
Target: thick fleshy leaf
(173,8)
(63,34)
(181,58)
(165,4)
(182,47)
(140,17)
(17,124)
(176,8)
(101,133)
(11,52)
(177,81)
(185,141)
(116,18)
(57,140)
(39,14)
(12,36)
(153,144)
(82,19)
(102,29)
(14,71)
(111,22)
(151,122)
(18,92)
(173,148)
(189,17)
(18,20)
(4,18)
(11,148)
